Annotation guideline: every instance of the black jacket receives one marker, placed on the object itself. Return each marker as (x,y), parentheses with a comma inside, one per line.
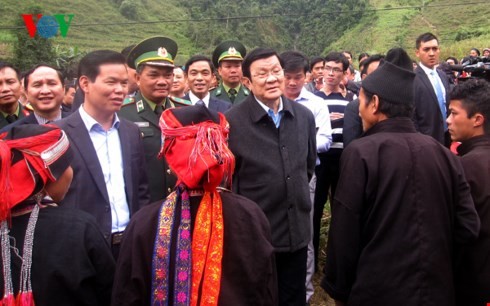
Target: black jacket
(274,166)
(427,115)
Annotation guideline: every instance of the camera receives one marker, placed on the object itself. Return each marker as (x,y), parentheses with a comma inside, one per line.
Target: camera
(476,67)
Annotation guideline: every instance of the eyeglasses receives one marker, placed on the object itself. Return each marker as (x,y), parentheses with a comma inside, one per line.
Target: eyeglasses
(276,72)
(332,69)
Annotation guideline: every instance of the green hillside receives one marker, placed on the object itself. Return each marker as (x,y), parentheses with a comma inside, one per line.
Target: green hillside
(99,24)
(313,26)
(459,25)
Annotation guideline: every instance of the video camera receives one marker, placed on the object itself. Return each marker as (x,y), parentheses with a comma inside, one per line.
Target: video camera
(477,67)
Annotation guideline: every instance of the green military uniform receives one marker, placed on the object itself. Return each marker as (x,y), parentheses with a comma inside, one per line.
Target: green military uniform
(221,93)
(20,113)
(161,179)
(156,51)
(229,51)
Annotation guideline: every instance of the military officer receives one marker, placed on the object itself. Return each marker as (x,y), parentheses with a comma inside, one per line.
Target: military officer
(153,60)
(228,57)
(10,91)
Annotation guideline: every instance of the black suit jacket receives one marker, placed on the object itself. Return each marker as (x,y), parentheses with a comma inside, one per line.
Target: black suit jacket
(215,104)
(427,114)
(88,190)
(31,119)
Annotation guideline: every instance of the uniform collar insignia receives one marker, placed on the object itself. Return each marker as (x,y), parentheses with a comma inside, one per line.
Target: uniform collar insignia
(140,106)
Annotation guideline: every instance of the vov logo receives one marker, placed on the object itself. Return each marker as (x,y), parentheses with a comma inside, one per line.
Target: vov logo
(47,26)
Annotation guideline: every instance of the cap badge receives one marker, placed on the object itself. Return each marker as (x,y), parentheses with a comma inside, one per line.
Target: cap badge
(232,51)
(162,52)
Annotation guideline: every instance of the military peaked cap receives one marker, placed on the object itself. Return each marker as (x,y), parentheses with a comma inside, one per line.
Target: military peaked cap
(155,51)
(229,50)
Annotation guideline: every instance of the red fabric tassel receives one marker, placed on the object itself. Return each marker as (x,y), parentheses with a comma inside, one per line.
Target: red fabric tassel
(8,300)
(24,299)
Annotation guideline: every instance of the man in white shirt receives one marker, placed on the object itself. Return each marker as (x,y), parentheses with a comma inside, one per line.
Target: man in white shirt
(431,90)
(199,72)
(109,180)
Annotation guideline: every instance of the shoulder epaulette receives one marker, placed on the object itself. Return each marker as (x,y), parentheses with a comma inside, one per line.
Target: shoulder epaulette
(28,106)
(128,100)
(179,100)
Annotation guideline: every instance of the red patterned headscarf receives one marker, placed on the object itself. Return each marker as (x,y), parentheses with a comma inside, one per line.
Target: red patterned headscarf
(198,154)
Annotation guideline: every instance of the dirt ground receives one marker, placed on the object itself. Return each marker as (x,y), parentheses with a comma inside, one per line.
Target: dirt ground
(320,297)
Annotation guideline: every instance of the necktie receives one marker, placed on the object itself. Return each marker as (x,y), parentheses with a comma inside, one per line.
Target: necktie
(159,110)
(11,118)
(232,93)
(200,102)
(440,97)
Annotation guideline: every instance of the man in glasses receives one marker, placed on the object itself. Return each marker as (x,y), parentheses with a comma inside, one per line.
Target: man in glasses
(327,173)
(273,140)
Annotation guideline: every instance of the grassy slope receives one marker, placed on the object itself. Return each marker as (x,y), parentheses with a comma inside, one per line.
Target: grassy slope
(378,32)
(113,37)
(385,29)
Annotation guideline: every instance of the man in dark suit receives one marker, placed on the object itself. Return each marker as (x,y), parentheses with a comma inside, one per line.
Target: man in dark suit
(109,180)
(431,90)
(10,91)
(228,57)
(44,89)
(199,73)
(154,64)
(273,140)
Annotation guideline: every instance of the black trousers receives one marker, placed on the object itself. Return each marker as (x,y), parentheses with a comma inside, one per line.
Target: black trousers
(291,275)
(327,177)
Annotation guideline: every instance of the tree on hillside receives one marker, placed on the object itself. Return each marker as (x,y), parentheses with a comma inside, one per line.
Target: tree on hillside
(30,51)
(307,26)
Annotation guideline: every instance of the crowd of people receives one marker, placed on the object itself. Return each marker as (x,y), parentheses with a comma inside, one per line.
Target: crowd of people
(144,182)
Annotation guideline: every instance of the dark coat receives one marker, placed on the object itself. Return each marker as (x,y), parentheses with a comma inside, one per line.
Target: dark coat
(220,93)
(274,166)
(161,179)
(215,104)
(401,206)
(427,114)
(248,269)
(352,122)
(88,190)
(23,112)
(473,273)
(31,119)
(72,263)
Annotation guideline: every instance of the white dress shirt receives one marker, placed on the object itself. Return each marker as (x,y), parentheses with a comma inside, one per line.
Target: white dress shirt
(107,145)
